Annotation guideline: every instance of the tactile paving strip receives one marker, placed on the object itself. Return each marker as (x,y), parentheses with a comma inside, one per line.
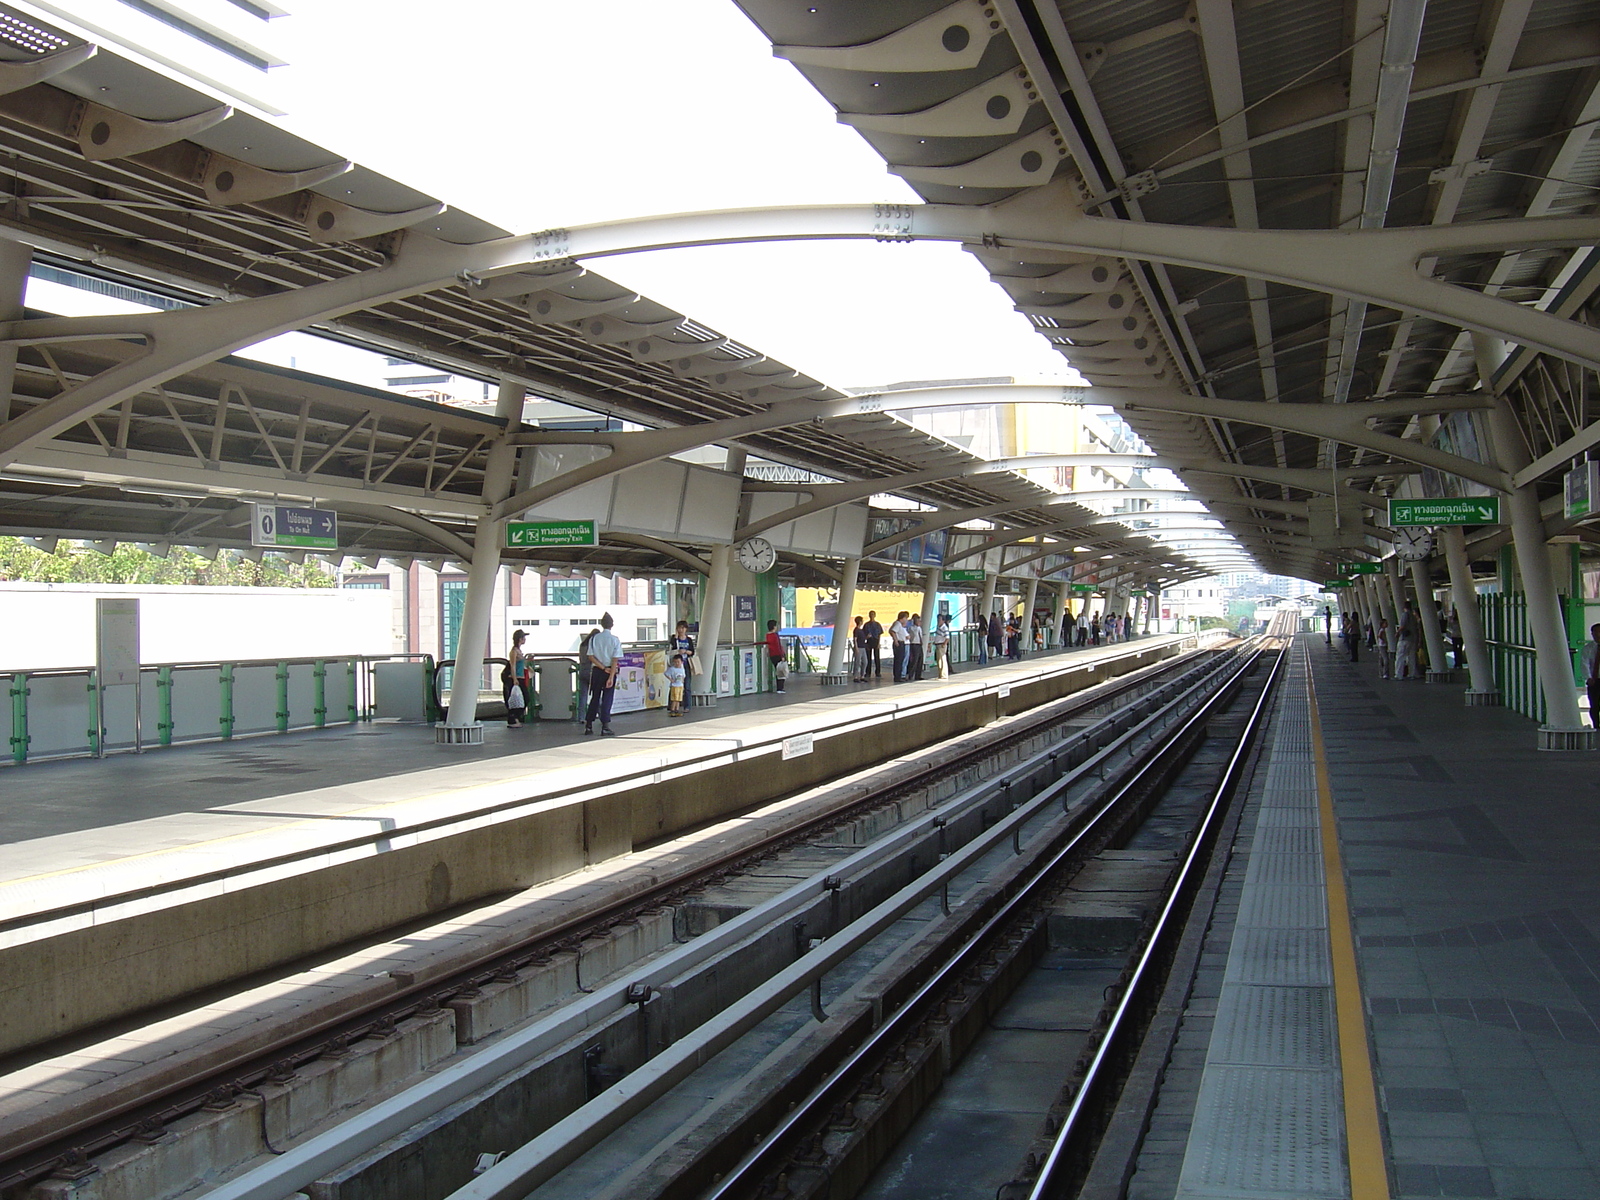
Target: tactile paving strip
(1269,1119)
(1280,957)
(1265,1133)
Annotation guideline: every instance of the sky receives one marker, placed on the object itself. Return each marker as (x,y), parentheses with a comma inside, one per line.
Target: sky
(568,114)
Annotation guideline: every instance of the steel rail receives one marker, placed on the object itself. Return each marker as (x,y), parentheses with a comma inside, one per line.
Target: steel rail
(1072,1150)
(113,1125)
(765,1159)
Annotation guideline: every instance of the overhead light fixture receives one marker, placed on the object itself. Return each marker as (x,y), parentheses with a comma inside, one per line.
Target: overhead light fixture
(20,475)
(174,491)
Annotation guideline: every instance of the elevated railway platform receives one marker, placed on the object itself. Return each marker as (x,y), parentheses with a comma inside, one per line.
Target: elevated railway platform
(1153,922)
(1410,1007)
(208,899)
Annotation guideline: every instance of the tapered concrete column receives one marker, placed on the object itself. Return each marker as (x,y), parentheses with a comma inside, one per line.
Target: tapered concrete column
(1382,598)
(842,619)
(1397,587)
(1429,611)
(1030,598)
(1150,607)
(987,605)
(1563,728)
(461,727)
(712,606)
(930,603)
(1464,594)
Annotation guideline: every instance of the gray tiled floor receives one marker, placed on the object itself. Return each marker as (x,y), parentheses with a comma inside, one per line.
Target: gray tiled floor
(1471,861)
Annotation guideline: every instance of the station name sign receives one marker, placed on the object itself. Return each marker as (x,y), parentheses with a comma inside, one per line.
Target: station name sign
(1463,510)
(522,535)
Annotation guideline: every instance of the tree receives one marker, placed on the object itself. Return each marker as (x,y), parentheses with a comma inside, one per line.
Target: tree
(76,562)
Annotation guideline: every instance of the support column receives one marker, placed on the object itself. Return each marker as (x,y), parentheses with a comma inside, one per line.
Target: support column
(840,646)
(1382,598)
(1030,598)
(15,259)
(930,603)
(1151,601)
(1464,594)
(1563,728)
(461,726)
(712,607)
(987,605)
(1429,611)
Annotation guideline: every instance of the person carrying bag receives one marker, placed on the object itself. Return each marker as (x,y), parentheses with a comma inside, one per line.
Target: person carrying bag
(775,651)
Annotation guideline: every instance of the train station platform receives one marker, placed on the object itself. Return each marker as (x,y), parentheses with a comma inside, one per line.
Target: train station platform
(1401,991)
(130,881)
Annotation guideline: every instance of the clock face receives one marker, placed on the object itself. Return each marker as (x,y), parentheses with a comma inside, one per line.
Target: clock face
(1414,544)
(756,556)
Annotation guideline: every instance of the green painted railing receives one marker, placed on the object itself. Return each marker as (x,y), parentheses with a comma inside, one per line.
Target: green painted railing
(64,714)
(1511,652)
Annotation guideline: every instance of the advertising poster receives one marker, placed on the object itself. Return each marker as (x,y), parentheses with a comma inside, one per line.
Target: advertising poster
(747,670)
(725,672)
(641,682)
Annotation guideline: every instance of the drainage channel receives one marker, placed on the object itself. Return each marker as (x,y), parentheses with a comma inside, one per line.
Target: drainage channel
(790,967)
(297,1086)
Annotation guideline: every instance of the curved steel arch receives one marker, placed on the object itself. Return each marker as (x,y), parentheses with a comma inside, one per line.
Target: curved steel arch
(1379,266)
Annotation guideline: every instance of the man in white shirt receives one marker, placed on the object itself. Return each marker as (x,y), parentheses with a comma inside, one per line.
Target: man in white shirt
(897,634)
(914,647)
(602,654)
(1591,673)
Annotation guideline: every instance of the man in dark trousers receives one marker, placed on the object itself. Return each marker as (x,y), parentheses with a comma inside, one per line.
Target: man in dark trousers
(603,652)
(872,634)
(1327,624)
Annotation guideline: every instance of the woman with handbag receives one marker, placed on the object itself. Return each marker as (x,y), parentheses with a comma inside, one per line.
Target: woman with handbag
(681,643)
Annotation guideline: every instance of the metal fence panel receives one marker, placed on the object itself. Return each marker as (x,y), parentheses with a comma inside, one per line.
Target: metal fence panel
(60,715)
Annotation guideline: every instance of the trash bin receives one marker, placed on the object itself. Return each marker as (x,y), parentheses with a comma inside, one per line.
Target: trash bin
(556,680)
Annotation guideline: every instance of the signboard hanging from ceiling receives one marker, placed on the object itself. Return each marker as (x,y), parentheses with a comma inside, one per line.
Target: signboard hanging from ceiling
(1459,510)
(289,525)
(525,534)
(1582,490)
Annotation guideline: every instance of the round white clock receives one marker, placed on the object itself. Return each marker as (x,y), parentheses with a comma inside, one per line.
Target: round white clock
(756,555)
(1413,543)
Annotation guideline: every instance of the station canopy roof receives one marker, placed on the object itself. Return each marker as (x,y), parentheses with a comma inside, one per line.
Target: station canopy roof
(154,200)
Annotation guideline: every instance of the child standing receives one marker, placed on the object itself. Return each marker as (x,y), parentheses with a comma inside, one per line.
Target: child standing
(675,678)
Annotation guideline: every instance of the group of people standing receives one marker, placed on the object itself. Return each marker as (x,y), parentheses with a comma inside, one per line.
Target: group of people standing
(911,647)
(1396,645)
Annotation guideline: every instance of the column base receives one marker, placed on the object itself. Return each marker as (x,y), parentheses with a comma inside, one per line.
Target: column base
(1551,738)
(702,700)
(1441,677)
(833,680)
(458,735)
(1488,699)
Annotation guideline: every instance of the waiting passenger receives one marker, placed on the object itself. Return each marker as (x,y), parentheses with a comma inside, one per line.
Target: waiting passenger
(872,638)
(776,653)
(602,653)
(676,677)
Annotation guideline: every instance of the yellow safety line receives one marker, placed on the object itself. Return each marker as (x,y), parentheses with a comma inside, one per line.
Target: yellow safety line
(1369,1173)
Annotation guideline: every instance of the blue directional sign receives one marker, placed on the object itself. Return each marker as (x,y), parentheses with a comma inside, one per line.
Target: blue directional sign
(302,528)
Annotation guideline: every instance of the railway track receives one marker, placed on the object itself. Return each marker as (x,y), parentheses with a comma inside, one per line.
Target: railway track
(1094,717)
(830,1115)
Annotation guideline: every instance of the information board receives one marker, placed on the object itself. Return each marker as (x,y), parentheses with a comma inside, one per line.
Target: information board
(288,525)
(525,534)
